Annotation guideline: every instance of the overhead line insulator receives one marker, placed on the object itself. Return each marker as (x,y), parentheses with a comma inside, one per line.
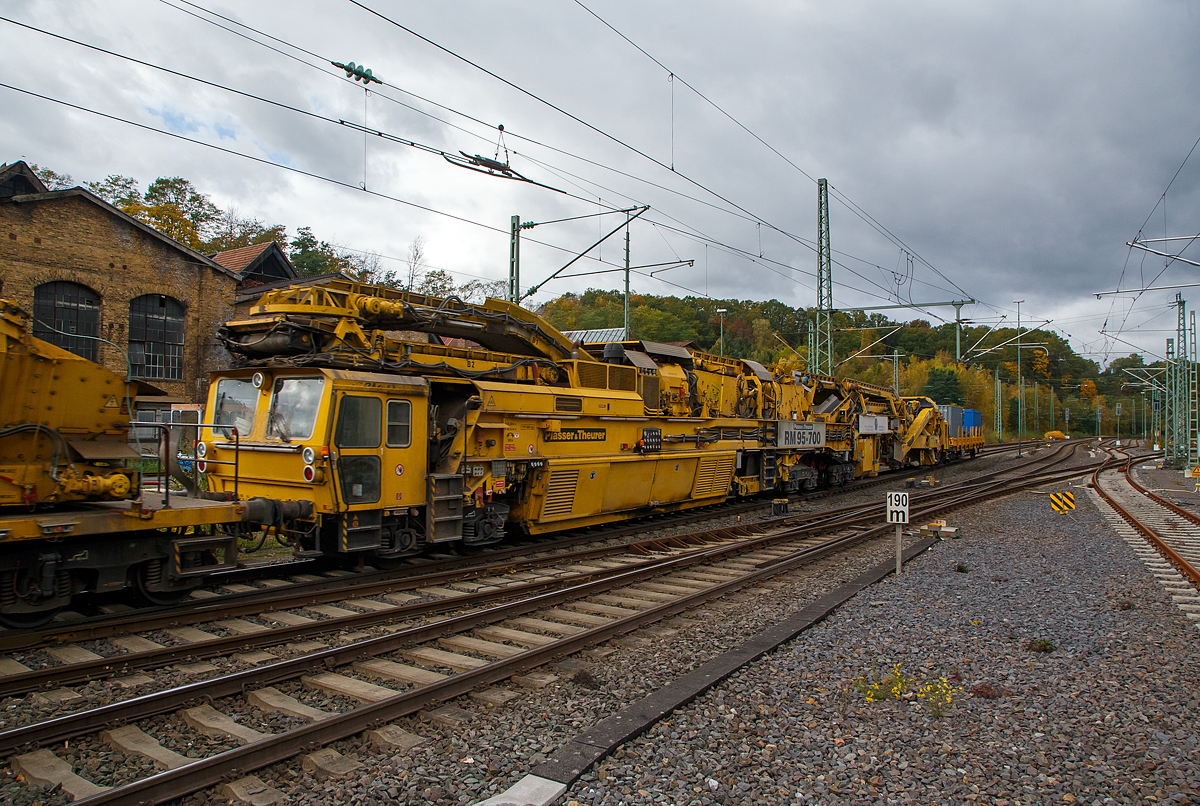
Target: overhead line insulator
(357,72)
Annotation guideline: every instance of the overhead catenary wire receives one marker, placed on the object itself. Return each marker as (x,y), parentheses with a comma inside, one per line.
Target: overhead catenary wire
(572,116)
(741,253)
(853,207)
(288,107)
(758,220)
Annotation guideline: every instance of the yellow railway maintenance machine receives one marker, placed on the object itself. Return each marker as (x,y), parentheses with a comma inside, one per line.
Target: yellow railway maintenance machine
(73,516)
(411,421)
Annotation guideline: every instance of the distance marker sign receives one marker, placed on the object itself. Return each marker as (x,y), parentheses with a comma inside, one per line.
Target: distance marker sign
(897,507)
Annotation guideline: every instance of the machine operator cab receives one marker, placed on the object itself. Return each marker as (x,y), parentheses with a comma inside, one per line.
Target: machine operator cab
(347,441)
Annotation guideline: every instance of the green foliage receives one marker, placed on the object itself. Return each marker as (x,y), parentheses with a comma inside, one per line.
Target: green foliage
(659,325)
(1042,645)
(943,386)
(172,205)
(437,283)
(312,257)
(119,191)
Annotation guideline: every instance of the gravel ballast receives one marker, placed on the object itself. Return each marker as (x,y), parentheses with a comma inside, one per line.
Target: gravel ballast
(1108,716)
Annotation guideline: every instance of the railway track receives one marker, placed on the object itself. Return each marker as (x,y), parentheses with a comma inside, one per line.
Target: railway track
(345,603)
(253,589)
(1165,536)
(416,664)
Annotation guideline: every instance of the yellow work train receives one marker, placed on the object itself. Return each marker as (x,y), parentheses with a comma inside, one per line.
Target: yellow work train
(410,421)
(75,515)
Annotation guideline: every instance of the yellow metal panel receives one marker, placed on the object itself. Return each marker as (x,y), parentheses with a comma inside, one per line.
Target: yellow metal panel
(629,485)
(673,479)
(593,480)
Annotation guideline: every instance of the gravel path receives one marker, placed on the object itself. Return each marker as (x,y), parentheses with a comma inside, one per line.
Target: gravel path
(1109,716)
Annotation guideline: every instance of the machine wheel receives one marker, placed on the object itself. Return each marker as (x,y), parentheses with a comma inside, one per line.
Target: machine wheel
(28,621)
(148,573)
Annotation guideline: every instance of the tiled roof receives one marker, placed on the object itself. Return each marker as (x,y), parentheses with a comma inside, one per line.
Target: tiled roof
(238,259)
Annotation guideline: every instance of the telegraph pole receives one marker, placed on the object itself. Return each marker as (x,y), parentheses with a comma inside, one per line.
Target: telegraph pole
(1020,386)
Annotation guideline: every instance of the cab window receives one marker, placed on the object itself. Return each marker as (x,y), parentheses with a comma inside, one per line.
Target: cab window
(234,406)
(399,423)
(294,406)
(359,421)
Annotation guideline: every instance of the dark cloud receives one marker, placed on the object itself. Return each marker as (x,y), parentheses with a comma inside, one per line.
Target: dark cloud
(1015,146)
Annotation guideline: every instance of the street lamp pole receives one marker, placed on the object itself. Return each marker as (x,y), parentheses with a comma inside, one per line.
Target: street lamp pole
(722,311)
(1020,389)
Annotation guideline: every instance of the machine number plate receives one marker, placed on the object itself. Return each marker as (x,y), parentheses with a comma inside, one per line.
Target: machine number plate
(791,434)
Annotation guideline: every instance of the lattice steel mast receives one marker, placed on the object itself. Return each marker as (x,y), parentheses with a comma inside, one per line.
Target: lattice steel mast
(824,330)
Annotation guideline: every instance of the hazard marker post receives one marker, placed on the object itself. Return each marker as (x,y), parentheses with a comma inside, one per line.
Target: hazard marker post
(897,513)
(1062,502)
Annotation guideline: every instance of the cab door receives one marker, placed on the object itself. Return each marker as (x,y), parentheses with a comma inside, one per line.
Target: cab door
(358,440)
(404,451)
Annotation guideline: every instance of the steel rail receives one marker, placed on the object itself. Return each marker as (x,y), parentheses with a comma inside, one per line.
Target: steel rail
(425,573)
(1164,548)
(214,769)
(70,725)
(309,593)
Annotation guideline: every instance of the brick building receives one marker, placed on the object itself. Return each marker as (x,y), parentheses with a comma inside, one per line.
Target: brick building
(113,289)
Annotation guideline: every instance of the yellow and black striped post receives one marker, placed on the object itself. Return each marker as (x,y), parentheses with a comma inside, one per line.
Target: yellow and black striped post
(1062,502)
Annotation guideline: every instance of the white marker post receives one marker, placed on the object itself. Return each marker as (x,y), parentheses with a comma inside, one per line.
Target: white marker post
(897,513)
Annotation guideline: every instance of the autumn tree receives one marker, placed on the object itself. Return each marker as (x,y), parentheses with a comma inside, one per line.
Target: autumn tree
(233,231)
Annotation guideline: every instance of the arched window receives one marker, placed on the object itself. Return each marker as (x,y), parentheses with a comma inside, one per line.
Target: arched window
(66,314)
(156,337)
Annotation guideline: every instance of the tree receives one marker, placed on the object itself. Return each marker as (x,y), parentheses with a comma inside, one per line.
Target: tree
(232,231)
(52,179)
(415,263)
(657,325)
(176,208)
(367,267)
(119,191)
(311,257)
(172,205)
(478,291)
(943,386)
(437,283)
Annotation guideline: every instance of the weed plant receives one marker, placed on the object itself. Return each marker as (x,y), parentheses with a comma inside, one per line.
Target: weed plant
(937,695)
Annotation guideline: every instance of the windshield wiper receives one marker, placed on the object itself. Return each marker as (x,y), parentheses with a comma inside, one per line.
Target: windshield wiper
(275,421)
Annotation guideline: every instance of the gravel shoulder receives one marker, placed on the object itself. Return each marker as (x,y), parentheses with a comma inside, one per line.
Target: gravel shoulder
(1109,716)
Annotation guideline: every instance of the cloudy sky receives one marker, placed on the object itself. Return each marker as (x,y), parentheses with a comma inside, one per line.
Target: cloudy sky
(987,150)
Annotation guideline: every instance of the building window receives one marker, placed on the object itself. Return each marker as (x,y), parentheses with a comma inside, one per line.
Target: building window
(67,314)
(156,337)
